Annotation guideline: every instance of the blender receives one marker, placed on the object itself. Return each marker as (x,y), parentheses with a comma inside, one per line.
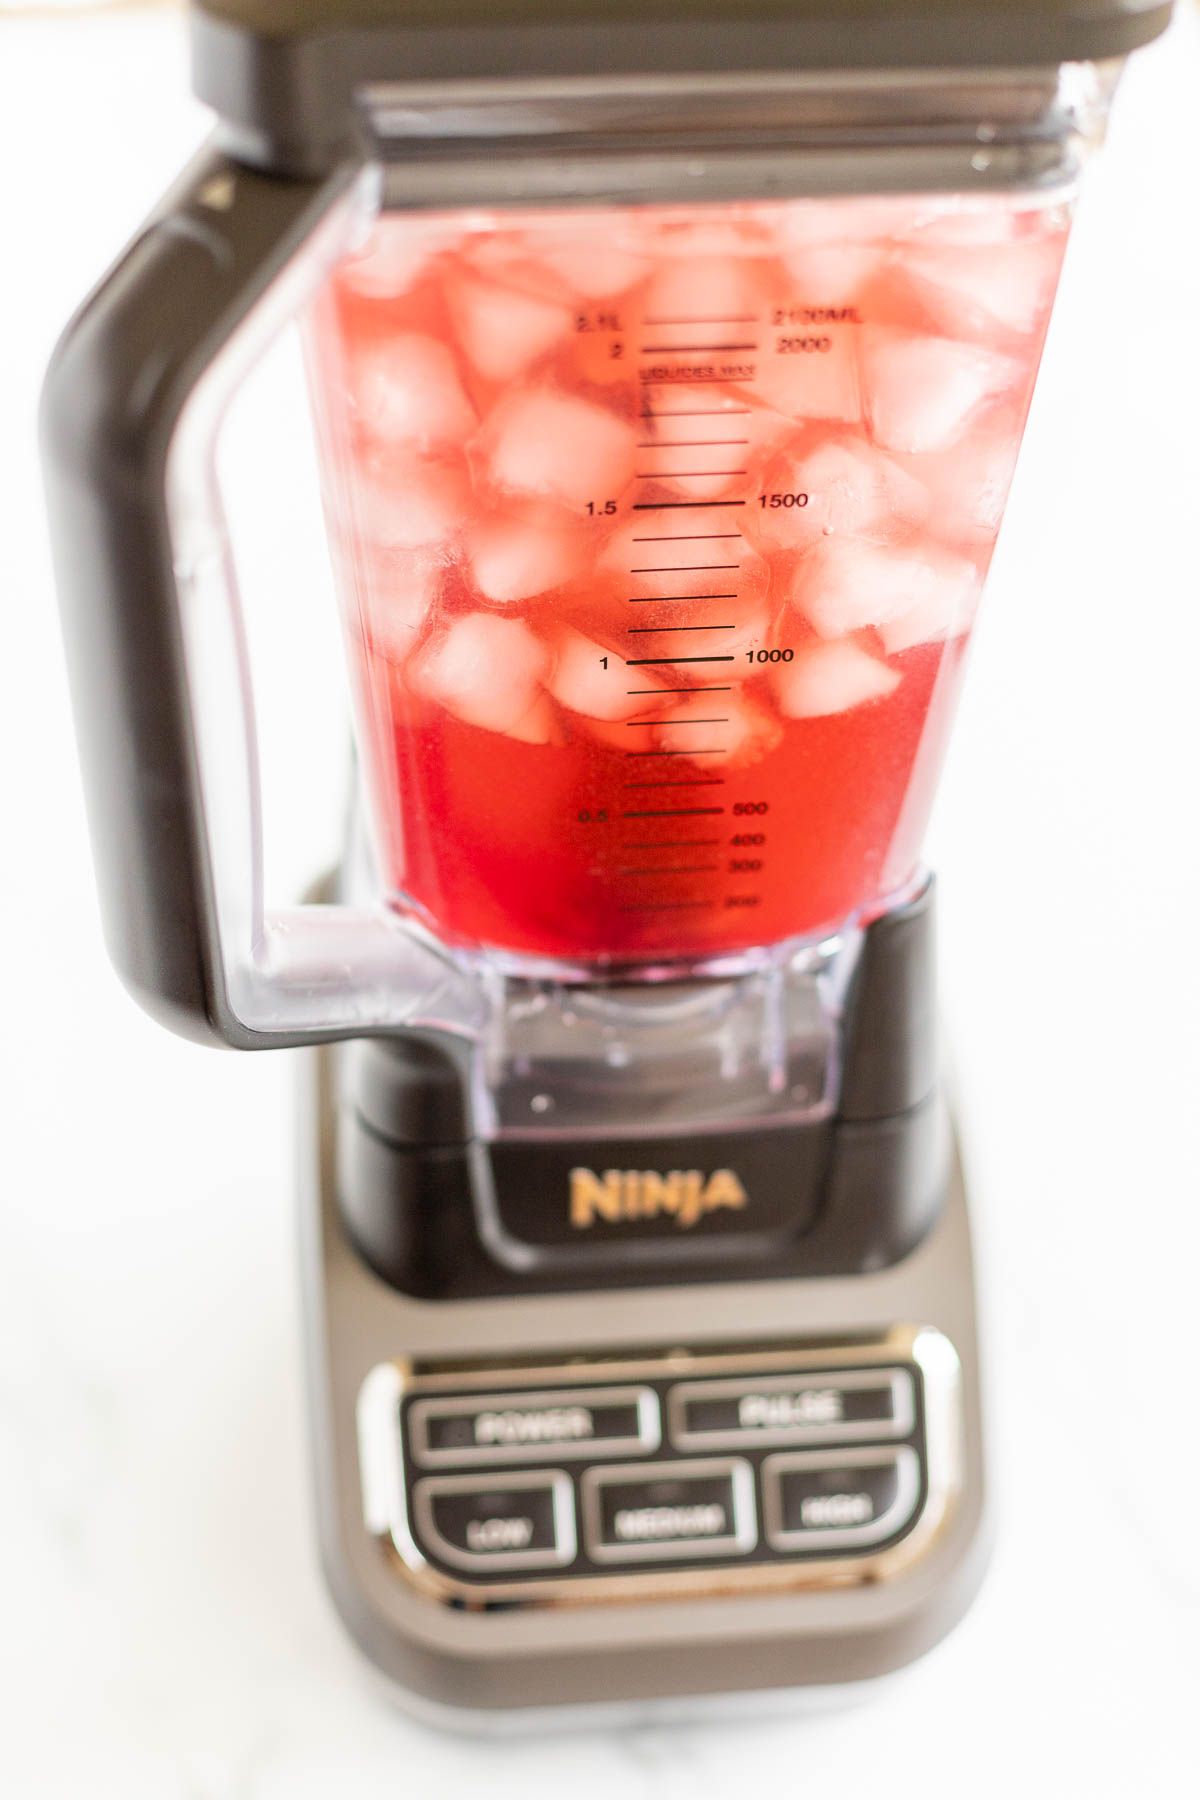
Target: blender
(668,366)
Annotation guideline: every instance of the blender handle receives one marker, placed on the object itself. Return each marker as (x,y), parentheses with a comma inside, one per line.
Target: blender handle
(116,394)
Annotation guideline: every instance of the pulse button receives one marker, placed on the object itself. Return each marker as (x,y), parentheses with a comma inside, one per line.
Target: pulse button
(813,1408)
(512,1522)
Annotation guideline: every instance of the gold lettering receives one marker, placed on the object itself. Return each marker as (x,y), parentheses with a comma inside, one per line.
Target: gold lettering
(657,1193)
(593,1198)
(724,1189)
(682,1194)
(693,1198)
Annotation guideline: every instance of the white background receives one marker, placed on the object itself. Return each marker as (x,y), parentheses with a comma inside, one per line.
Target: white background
(163,1630)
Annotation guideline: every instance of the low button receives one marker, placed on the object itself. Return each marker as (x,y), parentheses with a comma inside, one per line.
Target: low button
(518,1521)
(532,1427)
(678,1510)
(814,1501)
(811,1408)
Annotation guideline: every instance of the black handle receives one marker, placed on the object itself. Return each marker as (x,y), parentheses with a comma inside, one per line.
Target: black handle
(113,396)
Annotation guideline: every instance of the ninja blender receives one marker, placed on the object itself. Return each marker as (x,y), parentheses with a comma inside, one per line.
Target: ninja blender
(668,367)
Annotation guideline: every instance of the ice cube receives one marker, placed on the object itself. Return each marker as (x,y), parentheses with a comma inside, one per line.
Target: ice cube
(973,290)
(922,391)
(403,503)
(518,553)
(851,490)
(394,258)
(945,590)
(731,230)
(990,221)
(831,678)
(719,732)
(401,594)
(537,726)
(488,671)
(589,265)
(820,383)
(504,330)
(590,679)
(407,391)
(830,275)
(969,484)
(860,220)
(547,442)
(689,298)
(844,585)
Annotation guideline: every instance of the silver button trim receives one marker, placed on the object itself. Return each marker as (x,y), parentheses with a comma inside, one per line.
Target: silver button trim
(908,1488)
(814,1432)
(562,1551)
(647,1437)
(743,1537)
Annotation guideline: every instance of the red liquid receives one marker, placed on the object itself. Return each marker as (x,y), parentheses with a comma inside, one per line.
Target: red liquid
(661,533)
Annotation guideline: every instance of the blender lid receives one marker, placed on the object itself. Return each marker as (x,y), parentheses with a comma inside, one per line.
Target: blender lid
(285,76)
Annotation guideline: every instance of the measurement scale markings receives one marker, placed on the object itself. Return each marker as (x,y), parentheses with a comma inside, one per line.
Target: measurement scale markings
(690,443)
(658,630)
(724,319)
(678,869)
(690,537)
(654,662)
(682,569)
(635,724)
(664,599)
(708,750)
(669,906)
(678,812)
(692,781)
(705,688)
(696,412)
(690,349)
(675,505)
(675,844)
(681,474)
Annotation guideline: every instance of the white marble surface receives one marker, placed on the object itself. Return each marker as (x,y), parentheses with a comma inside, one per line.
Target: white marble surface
(163,1630)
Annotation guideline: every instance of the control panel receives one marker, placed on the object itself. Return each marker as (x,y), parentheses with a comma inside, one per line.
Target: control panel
(665,1472)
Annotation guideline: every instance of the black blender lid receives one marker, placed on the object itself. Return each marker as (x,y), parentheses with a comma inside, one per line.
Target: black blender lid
(283,75)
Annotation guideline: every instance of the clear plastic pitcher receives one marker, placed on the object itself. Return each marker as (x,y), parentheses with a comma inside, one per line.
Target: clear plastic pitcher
(666,412)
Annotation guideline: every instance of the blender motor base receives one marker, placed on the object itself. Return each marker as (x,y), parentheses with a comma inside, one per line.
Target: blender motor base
(771,1486)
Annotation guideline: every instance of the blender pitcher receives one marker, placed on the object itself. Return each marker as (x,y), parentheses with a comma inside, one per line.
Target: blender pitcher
(668,367)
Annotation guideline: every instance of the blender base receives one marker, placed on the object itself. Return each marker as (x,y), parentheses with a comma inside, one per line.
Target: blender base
(481,1619)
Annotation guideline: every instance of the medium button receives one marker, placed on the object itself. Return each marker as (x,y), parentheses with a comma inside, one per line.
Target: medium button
(813,1408)
(682,1509)
(515,1521)
(479,1428)
(813,1501)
